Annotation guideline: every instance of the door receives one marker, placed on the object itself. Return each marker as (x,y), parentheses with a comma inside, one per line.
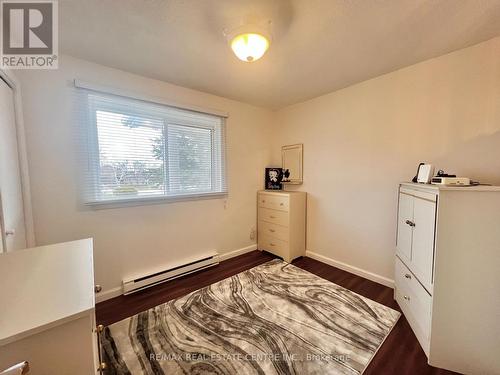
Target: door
(422,257)
(12,222)
(405,232)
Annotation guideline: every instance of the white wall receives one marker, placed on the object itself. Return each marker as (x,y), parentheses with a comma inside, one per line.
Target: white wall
(135,239)
(361,141)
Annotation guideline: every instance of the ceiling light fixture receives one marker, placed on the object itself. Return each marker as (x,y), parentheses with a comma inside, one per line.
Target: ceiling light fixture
(250,46)
(249,43)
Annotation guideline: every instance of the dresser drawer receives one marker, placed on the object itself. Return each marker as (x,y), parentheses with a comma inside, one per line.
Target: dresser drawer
(273,230)
(276,202)
(415,302)
(275,246)
(273,216)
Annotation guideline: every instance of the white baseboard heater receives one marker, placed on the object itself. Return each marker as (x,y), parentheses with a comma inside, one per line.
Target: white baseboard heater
(170,272)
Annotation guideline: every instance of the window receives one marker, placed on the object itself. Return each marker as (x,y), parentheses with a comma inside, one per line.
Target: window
(145,151)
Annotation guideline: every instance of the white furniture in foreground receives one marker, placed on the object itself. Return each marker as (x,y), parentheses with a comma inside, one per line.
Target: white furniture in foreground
(447,279)
(47,314)
(282,223)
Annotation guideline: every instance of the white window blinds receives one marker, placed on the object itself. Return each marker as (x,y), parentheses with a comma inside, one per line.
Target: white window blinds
(138,150)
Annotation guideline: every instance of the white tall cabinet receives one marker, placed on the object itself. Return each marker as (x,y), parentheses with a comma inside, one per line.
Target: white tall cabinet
(282,223)
(447,273)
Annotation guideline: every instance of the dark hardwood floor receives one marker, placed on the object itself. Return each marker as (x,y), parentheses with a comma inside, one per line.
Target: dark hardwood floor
(400,354)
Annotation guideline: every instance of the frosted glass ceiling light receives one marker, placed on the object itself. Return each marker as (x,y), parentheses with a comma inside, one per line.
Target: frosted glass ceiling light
(250,46)
(249,43)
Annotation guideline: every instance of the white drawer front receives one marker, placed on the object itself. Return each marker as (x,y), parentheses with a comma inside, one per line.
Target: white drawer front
(274,245)
(273,216)
(414,300)
(273,230)
(276,202)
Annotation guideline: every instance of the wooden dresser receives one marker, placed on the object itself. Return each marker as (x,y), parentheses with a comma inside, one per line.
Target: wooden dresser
(447,273)
(282,223)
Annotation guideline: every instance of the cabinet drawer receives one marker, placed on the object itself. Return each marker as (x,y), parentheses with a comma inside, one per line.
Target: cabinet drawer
(273,230)
(273,216)
(276,202)
(274,245)
(415,302)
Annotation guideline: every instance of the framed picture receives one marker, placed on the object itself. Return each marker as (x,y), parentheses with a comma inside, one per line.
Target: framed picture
(273,178)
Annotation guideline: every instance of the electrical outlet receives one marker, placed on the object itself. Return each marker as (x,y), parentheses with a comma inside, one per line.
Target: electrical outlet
(253,233)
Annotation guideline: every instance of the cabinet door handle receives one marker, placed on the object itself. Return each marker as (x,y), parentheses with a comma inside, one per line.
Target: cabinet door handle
(10,232)
(408,276)
(272,217)
(406,298)
(410,223)
(272,230)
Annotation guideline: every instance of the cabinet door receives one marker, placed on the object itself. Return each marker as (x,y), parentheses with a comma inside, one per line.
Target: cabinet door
(405,213)
(422,260)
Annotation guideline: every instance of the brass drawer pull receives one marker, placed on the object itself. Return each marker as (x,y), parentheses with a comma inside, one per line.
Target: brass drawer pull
(102,366)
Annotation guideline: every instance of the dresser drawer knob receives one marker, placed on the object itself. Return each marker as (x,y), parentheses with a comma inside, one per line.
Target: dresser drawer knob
(408,276)
(263,201)
(282,204)
(272,244)
(102,366)
(272,217)
(406,298)
(272,230)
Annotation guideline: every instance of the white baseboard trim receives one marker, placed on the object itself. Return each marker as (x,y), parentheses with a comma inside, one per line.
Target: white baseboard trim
(108,294)
(237,252)
(115,292)
(355,270)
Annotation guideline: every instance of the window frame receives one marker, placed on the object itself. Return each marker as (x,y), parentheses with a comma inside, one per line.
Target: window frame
(94,165)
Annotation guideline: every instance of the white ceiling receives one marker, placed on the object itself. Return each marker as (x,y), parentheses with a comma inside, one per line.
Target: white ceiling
(318,45)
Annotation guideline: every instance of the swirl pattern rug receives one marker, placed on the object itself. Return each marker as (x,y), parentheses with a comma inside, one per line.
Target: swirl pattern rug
(272,319)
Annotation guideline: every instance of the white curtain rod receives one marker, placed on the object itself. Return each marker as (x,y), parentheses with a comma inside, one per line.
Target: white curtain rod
(119,92)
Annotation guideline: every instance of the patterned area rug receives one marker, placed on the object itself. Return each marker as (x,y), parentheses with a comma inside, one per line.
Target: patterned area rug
(272,319)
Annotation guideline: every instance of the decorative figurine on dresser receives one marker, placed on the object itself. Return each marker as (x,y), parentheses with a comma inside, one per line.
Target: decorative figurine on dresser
(282,214)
